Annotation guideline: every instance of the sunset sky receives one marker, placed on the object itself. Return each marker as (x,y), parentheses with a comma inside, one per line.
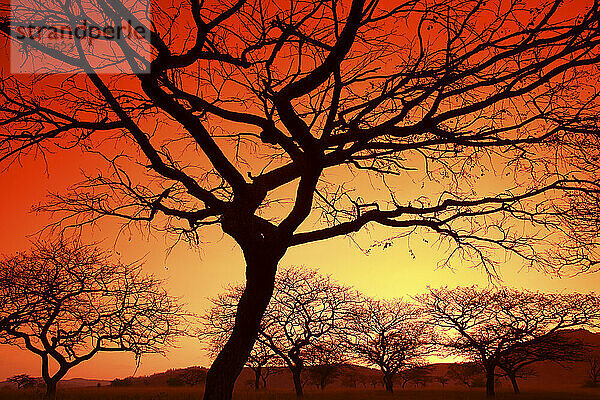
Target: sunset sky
(197,273)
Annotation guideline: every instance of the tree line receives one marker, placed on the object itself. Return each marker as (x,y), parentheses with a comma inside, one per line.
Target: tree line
(313,324)
(66,302)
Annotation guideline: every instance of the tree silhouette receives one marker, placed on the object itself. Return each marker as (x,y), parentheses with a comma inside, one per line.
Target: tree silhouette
(464,373)
(73,303)
(22,381)
(267,116)
(216,328)
(593,372)
(556,347)
(305,314)
(304,318)
(326,359)
(419,376)
(494,325)
(391,335)
(442,380)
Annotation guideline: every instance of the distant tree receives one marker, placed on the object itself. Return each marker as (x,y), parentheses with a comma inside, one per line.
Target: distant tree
(216,327)
(175,381)
(349,379)
(73,303)
(391,335)
(325,360)
(374,382)
(303,318)
(307,311)
(465,373)
(442,380)
(23,381)
(557,348)
(264,363)
(593,372)
(419,376)
(121,382)
(364,380)
(489,325)
(193,376)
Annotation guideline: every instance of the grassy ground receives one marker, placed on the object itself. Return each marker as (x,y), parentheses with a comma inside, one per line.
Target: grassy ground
(189,393)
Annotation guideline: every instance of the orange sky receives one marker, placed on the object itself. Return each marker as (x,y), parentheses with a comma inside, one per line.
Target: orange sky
(195,274)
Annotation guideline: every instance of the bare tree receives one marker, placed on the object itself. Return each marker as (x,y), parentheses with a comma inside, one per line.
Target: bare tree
(217,324)
(267,115)
(419,376)
(306,313)
(442,380)
(557,348)
(495,324)
(23,381)
(465,373)
(593,372)
(74,303)
(391,335)
(326,360)
(302,321)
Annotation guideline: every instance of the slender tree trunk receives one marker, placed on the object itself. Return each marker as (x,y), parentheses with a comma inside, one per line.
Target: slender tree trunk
(297,377)
(388,381)
(513,381)
(257,372)
(490,390)
(261,265)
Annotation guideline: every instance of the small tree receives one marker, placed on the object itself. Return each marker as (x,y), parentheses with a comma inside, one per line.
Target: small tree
(216,328)
(557,348)
(326,360)
(495,324)
(419,376)
(390,335)
(442,380)
(23,381)
(194,376)
(593,374)
(304,315)
(465,373)
(67,302)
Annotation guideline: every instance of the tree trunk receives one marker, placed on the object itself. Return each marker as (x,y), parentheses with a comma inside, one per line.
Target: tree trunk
(513,381)
(389,383)
(51,389)
(51,381)
(296,376)
(261,266)
(257,372)
(490,391)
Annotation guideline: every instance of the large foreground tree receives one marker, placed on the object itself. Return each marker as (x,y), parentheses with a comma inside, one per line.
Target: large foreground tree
(66,302)
(285,124)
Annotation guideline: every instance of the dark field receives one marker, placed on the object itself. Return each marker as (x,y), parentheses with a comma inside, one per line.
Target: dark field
(189,393)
